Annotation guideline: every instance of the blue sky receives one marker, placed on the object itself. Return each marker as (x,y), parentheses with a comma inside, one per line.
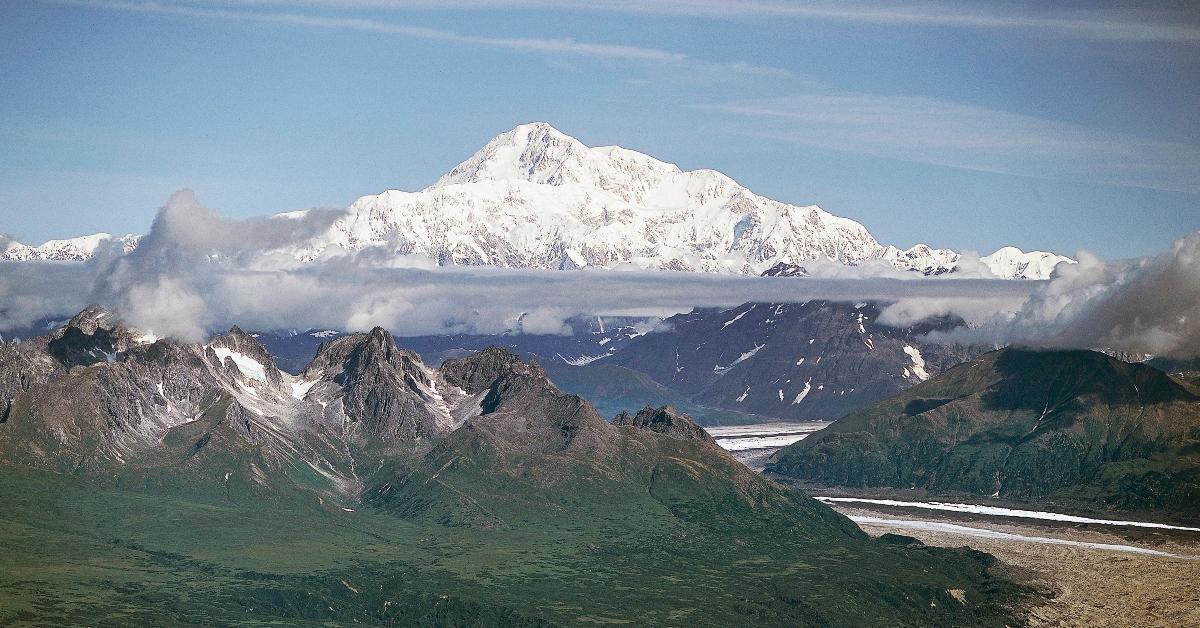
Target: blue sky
(962,125)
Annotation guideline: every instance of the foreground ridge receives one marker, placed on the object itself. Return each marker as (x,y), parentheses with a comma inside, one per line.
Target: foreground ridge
(374,488)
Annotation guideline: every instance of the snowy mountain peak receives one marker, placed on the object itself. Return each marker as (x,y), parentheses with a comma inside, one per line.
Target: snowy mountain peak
(1013,263)
(534,197)
(535,152)
(67,250)
(538,153)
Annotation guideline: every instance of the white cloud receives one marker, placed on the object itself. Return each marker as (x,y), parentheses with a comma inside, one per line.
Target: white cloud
(1149,306)
(196,271)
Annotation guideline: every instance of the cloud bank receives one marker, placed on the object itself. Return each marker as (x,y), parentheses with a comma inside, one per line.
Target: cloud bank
(196,272)
(1148,306)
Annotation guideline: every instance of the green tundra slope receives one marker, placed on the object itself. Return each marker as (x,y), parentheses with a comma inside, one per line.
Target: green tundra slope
(375,490)
(1077,426)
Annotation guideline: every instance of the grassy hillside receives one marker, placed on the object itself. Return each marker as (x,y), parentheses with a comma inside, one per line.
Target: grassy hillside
(1078,426)
(79,555)
(534,510)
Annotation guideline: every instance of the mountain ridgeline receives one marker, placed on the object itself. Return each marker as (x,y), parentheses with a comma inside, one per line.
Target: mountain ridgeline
(534,197)
(372,488)
(816,360)
(1075,426)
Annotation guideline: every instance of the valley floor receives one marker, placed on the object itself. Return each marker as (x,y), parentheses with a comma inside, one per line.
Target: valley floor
(1093,586)
(1099,575)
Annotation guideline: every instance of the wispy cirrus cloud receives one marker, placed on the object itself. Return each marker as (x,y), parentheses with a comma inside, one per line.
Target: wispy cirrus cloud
(536,45)
(1111,24)
(927,130)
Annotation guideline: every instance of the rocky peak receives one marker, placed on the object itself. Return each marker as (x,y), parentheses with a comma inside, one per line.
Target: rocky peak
(385,390)
(664,420)
(521,407)
(92,336)
(785,269)
(88,320)
(480,371)
(355,353)
(246,353)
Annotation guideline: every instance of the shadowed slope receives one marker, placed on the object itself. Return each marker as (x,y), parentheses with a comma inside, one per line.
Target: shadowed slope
(1023,424)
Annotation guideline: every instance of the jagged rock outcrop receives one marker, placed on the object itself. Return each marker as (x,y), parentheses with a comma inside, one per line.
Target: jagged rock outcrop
(481,370)
(97,398)
(665,420)
(94,335)
(521,407)
(386,391)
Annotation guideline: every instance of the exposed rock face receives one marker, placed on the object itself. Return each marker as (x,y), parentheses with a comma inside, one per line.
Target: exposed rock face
(385,390)
(482,370)
(784,269)
(804,361)
(94,397)
(240,343)
(665,420)
(91,336)
(1023,424)
(520,406)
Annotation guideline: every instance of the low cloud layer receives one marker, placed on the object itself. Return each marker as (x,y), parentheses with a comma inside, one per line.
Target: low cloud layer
(1149,306)
(196,272)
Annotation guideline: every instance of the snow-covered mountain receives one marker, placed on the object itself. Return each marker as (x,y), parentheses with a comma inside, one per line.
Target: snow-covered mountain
(534,197)
(1012,263)
(69,250)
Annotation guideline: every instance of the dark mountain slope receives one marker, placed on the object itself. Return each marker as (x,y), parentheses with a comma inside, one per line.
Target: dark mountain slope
(187,481)
(813,361)
(652,495)
(1023,424)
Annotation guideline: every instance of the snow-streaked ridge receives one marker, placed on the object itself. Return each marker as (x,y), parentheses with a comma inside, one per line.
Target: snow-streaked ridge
(66,250)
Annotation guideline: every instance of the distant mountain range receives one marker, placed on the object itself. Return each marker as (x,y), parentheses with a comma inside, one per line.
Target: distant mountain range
(69,250)
(755,362)
(790,361)
(534,197)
